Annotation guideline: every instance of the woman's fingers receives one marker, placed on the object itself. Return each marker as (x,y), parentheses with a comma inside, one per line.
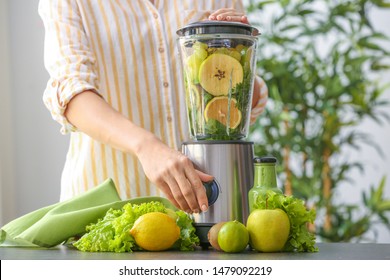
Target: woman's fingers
(185,185)
(229,14)
(175,175)
(203,176)
(181,194)
(196,177)
(191,186)
(167,191)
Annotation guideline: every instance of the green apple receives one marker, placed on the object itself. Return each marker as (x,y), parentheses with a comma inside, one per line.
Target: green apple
(268,229)
(219,73)
(246,56)
(235,54)
(199,45)
(193,64)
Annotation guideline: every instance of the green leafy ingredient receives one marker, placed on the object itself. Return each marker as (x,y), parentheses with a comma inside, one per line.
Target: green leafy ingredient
(111,233)
(218,131)
(300,239)
(188,238)
(242,92)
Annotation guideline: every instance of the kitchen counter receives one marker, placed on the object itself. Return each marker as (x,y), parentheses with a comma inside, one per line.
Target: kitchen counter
(327,251)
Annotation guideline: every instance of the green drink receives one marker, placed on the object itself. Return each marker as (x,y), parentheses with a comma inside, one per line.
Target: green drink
(264,179)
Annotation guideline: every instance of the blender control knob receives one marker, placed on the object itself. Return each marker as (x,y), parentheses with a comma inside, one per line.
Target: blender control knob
(212,191)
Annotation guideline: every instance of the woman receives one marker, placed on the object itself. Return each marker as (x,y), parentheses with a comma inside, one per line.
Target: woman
(115,86)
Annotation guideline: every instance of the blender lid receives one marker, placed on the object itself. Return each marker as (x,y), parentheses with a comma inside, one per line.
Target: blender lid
(217,27)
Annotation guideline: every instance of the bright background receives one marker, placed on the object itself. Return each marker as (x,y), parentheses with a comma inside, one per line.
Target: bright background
(32,150)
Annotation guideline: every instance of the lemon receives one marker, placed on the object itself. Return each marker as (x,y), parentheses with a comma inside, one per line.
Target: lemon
(220,109)
(233,237)
(155,231)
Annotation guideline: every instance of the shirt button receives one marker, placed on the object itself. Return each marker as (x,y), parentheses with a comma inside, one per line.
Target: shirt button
(169,119)
(161,50)
(54,84)
(155,15)
(165,84)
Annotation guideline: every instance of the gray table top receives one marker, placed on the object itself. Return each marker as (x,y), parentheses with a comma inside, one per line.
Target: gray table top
(327,251)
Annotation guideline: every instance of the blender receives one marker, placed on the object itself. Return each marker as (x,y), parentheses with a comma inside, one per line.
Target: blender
(218,60)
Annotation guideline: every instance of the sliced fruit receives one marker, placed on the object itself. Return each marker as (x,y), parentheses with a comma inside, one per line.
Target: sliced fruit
(199,45)
(221,50)
(192,97)
(235,54)
(193,65)
(230,52)
(219,73)
(223,110)
(192,69)
(240,47)
(201,54)
(246,56)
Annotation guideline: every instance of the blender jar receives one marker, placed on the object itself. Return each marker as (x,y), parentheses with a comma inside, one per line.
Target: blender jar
(218,61)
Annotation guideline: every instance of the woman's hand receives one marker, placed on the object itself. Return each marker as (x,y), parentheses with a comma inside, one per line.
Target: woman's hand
(168,169)
(174,174)
(259,99)
(229,14)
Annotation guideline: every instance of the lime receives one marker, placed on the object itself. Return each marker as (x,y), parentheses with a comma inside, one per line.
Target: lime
(233,237)
(155,231)
(223,110)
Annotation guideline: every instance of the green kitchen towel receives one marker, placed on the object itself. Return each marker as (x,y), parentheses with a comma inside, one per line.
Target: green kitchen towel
(54,224)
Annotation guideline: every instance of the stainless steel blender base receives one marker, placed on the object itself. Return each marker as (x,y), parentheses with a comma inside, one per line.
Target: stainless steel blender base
(231,164)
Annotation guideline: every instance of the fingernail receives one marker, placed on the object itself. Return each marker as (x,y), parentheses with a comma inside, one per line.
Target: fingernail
(204,208)
(228,18)
(219,17)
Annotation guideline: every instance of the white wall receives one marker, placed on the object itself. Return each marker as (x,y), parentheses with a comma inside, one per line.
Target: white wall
(32,149)
(7,208)
(39,149)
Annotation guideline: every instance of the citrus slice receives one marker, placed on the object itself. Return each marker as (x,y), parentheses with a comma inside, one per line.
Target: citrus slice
(223,110)
(219,73)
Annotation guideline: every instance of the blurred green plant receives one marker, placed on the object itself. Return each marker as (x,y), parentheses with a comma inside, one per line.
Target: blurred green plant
(319,59)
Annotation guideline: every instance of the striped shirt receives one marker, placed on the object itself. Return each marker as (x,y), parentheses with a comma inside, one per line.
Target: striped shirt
(124,50)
